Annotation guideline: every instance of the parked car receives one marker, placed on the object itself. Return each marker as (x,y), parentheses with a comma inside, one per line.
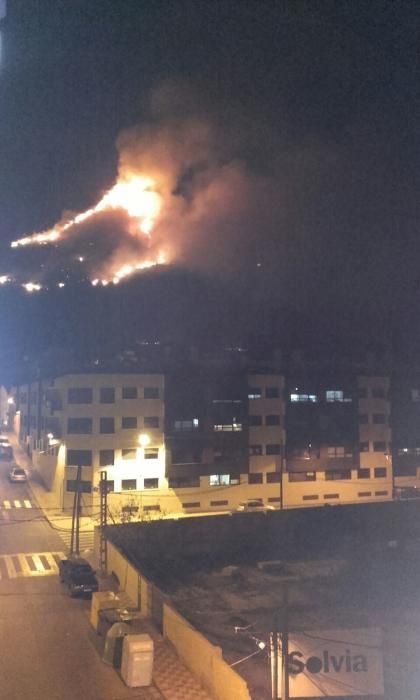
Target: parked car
(6,451)
(17,474)
(253,505)
(79,577)
(4,440)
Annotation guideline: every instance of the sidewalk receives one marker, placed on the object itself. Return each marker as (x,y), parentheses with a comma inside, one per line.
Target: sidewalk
(171,679)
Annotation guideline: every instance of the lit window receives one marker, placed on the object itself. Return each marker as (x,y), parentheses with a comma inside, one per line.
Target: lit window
(303,398)
(151,453)
(335,452)
(254,393)
(334,395)
(219,480)
(227,427)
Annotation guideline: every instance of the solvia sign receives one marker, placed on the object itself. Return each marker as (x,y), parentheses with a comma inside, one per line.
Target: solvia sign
(328,663)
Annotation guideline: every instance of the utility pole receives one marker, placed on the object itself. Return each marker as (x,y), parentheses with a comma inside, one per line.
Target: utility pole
(103,494)
(274,656)
(285,644)
(75,516)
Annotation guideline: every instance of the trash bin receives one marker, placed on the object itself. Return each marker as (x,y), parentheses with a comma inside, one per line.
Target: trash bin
(137,660)
(114,644)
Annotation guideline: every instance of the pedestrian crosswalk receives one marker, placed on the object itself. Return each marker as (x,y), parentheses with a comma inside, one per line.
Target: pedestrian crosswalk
(85,538)
(16,503)
(26,565)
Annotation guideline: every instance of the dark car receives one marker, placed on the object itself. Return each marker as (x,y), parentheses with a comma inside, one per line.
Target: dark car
(79,577)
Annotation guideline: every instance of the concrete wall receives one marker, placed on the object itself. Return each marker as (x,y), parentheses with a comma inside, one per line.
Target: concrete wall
(203,659)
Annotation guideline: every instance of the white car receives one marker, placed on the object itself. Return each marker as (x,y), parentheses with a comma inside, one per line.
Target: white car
(252,506)
(17,474)
(4,441)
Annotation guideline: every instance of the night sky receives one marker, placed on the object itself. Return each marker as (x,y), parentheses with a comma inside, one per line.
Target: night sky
(314,104)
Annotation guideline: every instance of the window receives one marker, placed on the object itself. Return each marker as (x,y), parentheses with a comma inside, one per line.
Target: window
(330,495)
(363,392)
(219,479)
(406,470)
(378,392)
(129,392)
(227,427)
(337,474)
(79,458)
(129,422)
(107,395)
(151,453)
(219,503)
(151,392)
(183,482)
(272,392)
(364,494)
(303,398)
(363,418)
(151,508)
(272,420)
(381,493)
(79,426)
(186,425)
(255,450)
(380,472)
(255,420)
(335,451)
(333,395)
(273,449)
(379,418)
(254,393)
(255,478)
(192,504)
(151,422)
(84,486)
(364,447)
(274,499)
(106,425)
(302,476)
(310,498)
(128,484)
(129,453)
(363,473)
(415,395)
(273,477)
(106,458)
(379,446)
(151,483)
(80,395)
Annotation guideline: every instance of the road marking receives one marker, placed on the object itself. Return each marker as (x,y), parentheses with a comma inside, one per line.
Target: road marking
(26,569)
(27,504)
(7,504)
(29,564)
(11,571)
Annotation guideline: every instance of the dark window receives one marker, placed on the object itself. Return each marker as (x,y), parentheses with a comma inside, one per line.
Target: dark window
(255,420)
(331,495)
(186,425)
(363,392)
(381,493)
(364,493)
(415,395)
(379,446)
(84,486)
(106,425)
(272,420)
(151,483)
(107,395)
(183,482)
(406,470)
(192,504)
(272,392)
(310,498)
(151,453)
(130,453)
(337,474)
(363,418)
(109,485)
(151,392)
(80,395)
(364,447)
(255,450)
(380,472)
(254,392)
(363,473)
(106,458)
(378,392)
(79,458)
(255,478)
(379,418)
(129,422)
(79,426)
(274,499)
(151,422)
(148,509)
(219,503)
(273,477)
(129,392)
(273,449)
(129,484)
(302,476)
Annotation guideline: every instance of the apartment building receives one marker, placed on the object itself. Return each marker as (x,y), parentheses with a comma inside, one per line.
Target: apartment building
(111,422)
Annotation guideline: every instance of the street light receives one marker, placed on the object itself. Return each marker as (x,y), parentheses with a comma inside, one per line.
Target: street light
(144,439)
